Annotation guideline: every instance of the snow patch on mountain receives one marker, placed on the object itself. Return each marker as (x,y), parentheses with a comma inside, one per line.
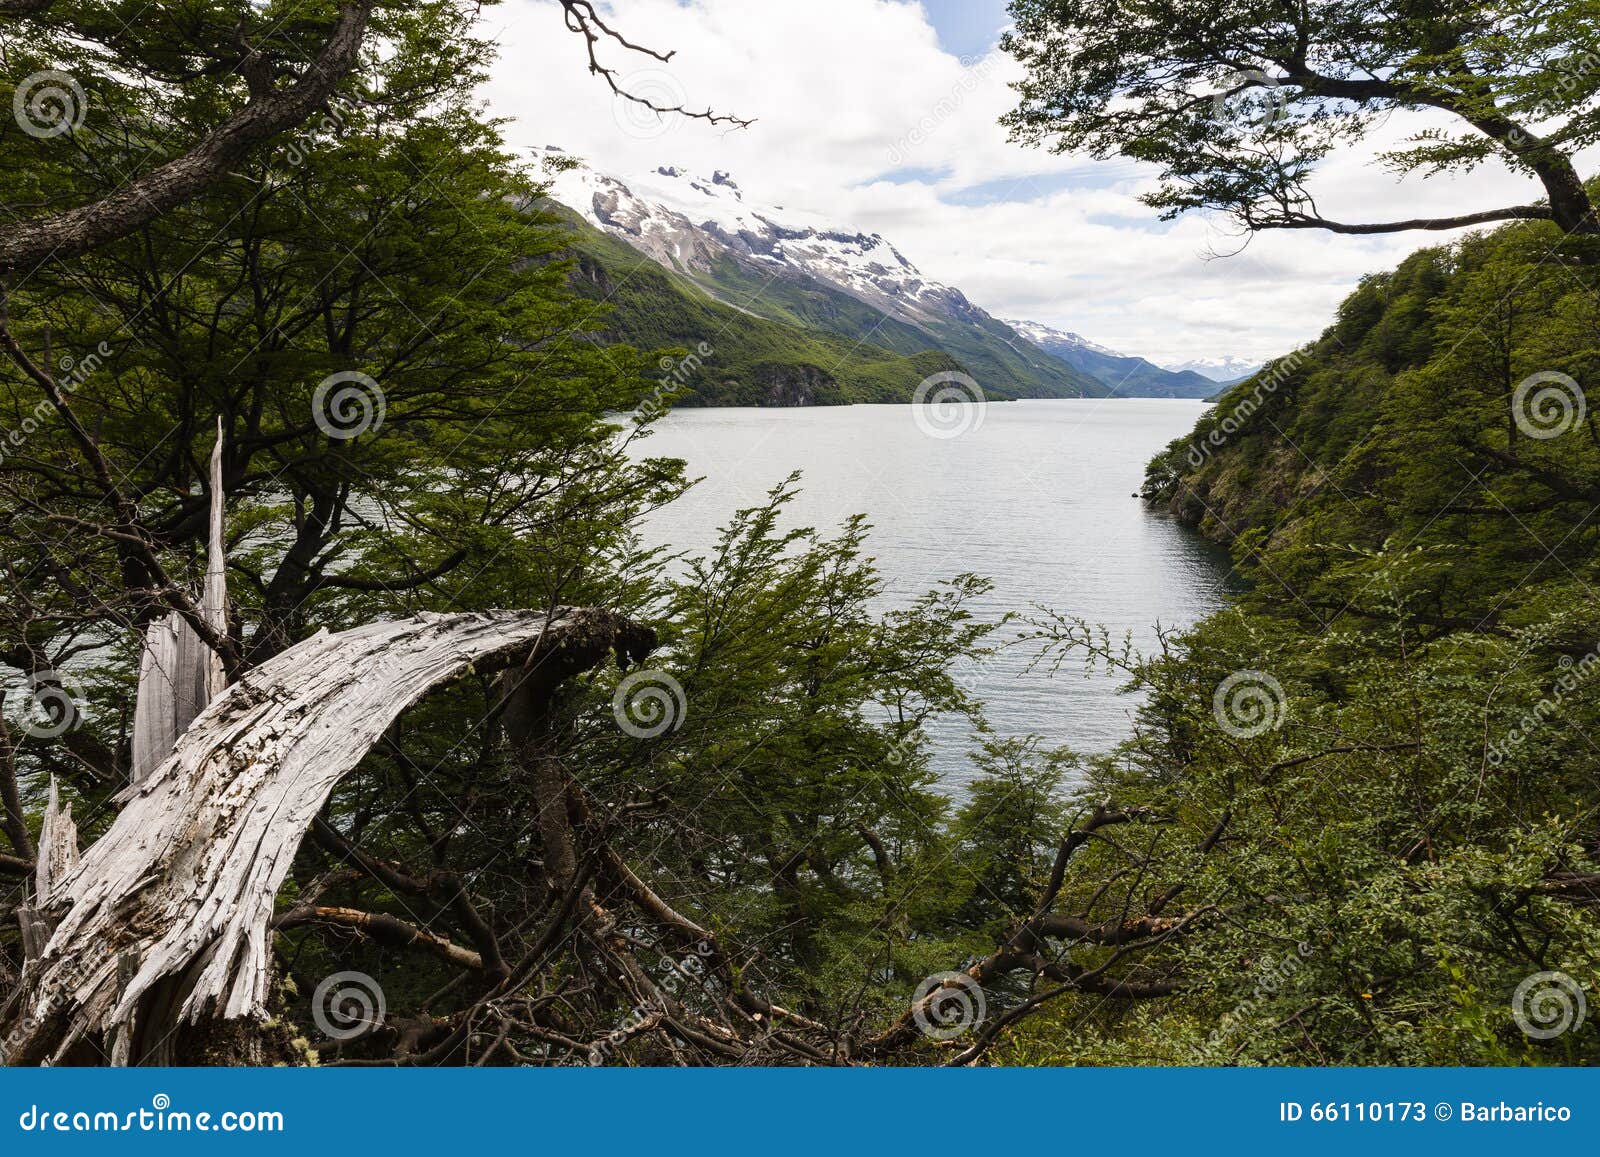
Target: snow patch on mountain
(1045,335)
(687,221)
(1229,369)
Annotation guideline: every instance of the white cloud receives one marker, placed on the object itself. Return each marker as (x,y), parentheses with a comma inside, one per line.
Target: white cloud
(848,93)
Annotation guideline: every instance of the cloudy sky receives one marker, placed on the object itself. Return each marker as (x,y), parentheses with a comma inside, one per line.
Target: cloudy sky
(880,115)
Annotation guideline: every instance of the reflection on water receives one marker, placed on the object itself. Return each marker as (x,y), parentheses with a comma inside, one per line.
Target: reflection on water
(1037,498)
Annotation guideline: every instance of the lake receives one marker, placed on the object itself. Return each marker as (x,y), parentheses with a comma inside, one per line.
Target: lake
(1036,496)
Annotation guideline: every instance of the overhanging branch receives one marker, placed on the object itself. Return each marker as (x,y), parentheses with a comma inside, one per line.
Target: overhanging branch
(76,231)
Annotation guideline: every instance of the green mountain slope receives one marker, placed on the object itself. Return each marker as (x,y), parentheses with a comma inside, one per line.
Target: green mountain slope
(790,339)
(736,357)
(1393,723)
(1131,377)
(1443,412)
(988,349)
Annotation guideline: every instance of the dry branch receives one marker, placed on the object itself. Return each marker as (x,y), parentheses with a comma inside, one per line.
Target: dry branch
(166,922)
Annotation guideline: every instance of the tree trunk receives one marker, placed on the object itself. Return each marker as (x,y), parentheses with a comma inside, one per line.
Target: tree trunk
(161,943)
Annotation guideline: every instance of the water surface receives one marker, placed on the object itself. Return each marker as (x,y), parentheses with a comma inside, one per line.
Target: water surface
(1037,496)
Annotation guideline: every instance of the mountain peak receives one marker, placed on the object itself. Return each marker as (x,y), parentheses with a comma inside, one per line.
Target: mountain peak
(1041,334)
(1225,370)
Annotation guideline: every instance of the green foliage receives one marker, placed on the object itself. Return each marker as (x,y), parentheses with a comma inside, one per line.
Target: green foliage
(1402,842)
(1239,103)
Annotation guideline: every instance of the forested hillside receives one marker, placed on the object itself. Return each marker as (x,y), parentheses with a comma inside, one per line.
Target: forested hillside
(1393,730)
(717,354)
(792,341)
(347,717)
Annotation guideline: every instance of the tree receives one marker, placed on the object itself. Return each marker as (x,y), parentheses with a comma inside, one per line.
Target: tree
(1239,102)
(205,88)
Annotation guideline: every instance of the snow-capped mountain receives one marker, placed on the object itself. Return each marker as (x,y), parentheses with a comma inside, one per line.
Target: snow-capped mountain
(787,265)
(688,222)
(1221,370)
(1125,374)
(1045,336)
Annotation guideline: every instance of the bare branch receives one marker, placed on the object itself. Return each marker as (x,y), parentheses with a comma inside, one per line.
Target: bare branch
(582,19)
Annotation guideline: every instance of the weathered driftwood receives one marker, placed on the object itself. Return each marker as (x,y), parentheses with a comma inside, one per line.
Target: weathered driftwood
(165,922)
(56,858)
(178,672)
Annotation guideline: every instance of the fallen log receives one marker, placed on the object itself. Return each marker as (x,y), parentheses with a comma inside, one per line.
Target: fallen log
(163,929)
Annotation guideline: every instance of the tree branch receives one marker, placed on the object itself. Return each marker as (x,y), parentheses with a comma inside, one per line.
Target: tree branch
(143,199)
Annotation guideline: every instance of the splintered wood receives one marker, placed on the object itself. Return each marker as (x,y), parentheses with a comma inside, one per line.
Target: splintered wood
(166,919)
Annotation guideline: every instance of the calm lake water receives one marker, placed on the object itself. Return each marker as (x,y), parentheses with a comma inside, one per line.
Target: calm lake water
(1036,496)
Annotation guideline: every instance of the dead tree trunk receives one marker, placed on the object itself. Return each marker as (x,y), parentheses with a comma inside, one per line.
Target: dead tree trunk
(161,933)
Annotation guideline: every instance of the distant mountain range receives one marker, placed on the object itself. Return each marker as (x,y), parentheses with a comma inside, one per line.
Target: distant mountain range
(1224,371)
(1125,375)
(798,313)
